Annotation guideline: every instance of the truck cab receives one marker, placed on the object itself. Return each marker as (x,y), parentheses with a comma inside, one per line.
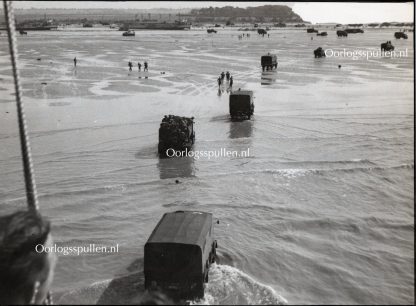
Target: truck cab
(178,254)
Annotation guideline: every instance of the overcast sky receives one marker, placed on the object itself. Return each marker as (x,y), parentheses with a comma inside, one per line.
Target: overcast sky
(309,11)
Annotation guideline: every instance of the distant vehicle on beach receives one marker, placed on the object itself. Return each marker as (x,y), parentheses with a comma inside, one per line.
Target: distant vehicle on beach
(399,35)
(175,133)
(262,31)
(322,34)
(269,61)
(179,253)
(211,31)
(319,53)
(129,33)
(387,46)
(241,104)
(87,25)
(22,32)
(342,34)
(311,30)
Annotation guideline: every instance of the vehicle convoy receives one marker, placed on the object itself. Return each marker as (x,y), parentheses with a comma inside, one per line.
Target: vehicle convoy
(241,104)
(399,35)
(175,134)
(179,253)
(269,61)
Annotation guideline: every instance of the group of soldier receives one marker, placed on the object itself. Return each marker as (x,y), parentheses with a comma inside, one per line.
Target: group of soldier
(227,76)
(240,37)
(139,66)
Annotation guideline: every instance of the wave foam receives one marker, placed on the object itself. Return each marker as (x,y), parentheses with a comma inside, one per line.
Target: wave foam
(229,286)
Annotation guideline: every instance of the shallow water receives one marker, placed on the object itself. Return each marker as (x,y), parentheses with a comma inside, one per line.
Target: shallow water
(322,210)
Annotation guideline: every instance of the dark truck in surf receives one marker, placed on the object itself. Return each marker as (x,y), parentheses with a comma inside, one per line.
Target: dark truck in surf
(175,134)
(269,61)
(178,254)
(241,104)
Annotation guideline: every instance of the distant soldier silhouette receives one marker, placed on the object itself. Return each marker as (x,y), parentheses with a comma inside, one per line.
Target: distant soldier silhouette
(75,61)
(145,67)
(222,75)
(130,66)
(139,65)
(219,81)
(231,81)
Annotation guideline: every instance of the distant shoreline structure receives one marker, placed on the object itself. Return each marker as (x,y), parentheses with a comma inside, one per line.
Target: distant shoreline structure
(172,19)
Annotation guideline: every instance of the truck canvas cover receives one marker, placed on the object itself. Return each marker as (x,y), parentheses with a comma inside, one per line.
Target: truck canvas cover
(182,228)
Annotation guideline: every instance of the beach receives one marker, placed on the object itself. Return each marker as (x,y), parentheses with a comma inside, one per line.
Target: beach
(321,212)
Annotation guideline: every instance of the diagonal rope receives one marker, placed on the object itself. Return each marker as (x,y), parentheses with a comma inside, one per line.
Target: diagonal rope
(31,193)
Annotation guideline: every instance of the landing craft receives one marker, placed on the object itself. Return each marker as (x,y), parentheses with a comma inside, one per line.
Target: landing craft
(179,253)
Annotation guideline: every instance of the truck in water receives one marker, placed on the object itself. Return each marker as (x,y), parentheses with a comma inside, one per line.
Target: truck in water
(241,104)
(269,61)
(175,134)
(178,254)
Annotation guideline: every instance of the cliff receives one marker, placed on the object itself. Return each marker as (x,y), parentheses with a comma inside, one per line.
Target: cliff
(274,13)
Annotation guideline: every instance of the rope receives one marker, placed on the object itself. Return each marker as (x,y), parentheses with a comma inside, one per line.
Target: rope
(31,193)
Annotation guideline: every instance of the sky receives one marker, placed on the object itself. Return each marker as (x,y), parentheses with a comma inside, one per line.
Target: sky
(315,12)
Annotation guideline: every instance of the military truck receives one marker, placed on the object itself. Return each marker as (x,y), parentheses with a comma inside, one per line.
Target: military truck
(269,61)
(261,32)
(319,52)
(399,35)
(241,104)
(179,253)
(175,134)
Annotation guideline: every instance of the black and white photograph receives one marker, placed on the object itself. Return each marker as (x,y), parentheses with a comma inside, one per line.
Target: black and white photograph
(207,153)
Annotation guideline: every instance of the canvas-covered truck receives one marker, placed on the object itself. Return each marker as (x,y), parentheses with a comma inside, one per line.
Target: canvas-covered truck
(241,104)
(175,134)
(178,254)
(269,61)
